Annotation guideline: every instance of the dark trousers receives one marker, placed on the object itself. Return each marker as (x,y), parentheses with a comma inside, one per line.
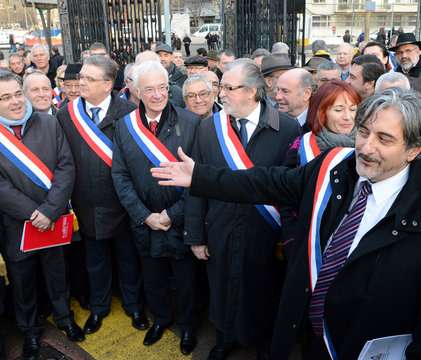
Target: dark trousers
(187,48)
(23,277)
(99,265)
(157,272)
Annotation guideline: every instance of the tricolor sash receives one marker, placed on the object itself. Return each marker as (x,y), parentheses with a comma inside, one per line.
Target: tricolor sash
(237,159)
(308,148)
(24,159)
(56,96)
(322,195)
(148,143)
(99,143)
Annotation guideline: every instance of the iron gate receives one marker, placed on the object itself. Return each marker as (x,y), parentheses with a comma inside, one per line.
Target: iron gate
(126,27)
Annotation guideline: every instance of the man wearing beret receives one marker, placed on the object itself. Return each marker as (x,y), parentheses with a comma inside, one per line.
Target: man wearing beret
(196,64)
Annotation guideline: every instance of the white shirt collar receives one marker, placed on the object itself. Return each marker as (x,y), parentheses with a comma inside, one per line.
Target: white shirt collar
(385,189)
(254,116)
(302,118)
(151,119)
(104,105)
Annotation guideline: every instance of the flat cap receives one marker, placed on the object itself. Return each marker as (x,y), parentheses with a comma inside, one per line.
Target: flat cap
(196,60)
(72,72)
(163,47)
(314,63)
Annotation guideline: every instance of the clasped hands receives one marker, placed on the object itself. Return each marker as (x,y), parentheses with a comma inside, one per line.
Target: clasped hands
(159,221)
(40,221)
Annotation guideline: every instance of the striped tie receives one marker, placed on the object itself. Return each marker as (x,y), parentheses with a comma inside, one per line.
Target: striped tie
(335,256)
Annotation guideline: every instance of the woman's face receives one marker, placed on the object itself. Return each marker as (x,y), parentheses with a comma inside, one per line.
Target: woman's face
(340,117)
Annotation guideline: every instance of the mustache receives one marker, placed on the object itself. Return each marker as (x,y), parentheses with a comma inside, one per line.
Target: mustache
(368,158)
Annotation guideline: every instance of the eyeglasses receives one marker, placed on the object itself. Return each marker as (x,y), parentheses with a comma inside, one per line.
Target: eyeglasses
(152,91)
(200,95)
(407,51)
(90,78)
(226,87)
(9,97)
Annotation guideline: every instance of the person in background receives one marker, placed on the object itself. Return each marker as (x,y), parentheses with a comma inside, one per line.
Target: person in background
(71,82)
(165,54)
(212,60)
(59,92)
(199,97)
(178,59)
(392,80)
(213,78)
(41,60)
(381,36)
(379,50)
(196,64)
(224,58)
(280,48)
(347,37)
(37,89)
(202,52)
(16,64)
(187,42)
(57,59)
(258,55)
(12,43)
(27,58)
(326,72)
(344,55)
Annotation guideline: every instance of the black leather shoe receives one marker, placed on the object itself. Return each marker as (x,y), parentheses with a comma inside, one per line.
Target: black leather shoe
(93,324)
(73,332)
(31,347)
(154,334)
(219,353)
(188,342)
(139,320)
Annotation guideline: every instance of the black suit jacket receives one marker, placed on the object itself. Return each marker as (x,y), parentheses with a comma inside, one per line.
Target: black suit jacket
(378,291)
(94,199)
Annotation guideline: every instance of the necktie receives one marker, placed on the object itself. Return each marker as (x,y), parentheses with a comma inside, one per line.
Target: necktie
(95,114)
(17,130)
(335,256)
(153,125)
(243,132)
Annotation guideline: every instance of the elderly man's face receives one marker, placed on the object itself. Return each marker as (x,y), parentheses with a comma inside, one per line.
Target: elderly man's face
(38,92)
(195,69)
(40,58)
(153,92)
(291,97)
(324,76)
(94,87)
(408,56)
(380,147)
(199,99)
(344,55)
(16,64)
(12,100)
(72,89)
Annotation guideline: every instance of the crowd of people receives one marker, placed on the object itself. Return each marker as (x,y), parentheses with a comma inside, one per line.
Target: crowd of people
(298,233)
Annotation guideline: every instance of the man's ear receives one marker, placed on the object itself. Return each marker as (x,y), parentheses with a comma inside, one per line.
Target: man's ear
(413,153)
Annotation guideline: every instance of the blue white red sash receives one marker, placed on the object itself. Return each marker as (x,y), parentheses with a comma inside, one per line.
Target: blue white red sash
(24,159)
(308,148)
(124,93)
(93,136)
(322,195)
(237,159)
(153,149)
(57,97)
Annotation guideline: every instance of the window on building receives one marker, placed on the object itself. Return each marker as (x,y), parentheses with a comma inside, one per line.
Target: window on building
(320,21)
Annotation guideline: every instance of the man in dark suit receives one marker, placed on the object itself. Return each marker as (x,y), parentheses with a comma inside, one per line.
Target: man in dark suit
(157,215)
(237,243)
(362,257)
(89,123)
(25,195)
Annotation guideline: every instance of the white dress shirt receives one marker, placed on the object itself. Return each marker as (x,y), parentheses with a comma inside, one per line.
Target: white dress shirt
(383,195)
(104,105)
(302,118)
(253,121)
(156,119)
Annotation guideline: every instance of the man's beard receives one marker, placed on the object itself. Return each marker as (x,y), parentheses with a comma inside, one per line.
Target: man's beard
(407,66)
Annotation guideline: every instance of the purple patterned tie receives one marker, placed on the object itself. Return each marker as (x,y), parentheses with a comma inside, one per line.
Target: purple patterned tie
(335,256)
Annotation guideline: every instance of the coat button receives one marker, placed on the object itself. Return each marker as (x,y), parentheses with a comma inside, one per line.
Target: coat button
(403,222)
(339,197)
(414,223)
(335,172)
(394,233)
(336,181)
(307,290)
(185,233)
(294,326)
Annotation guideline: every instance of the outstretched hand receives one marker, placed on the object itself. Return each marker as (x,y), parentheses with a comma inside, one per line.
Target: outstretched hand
(175,173)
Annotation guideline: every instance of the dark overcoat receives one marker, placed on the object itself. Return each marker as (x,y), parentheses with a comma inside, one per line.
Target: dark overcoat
(20,197)
(377,293)
(141,194)
(94,200)
(242,263)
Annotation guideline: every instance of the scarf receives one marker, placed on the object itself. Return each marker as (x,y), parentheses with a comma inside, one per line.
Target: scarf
(28,113)
(327,139)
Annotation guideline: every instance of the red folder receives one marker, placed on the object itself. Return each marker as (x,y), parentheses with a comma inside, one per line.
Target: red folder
(34,239)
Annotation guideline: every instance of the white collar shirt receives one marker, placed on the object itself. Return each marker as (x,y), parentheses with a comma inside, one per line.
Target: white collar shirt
(302,118)
(253,121)
(104,105)
(157,119)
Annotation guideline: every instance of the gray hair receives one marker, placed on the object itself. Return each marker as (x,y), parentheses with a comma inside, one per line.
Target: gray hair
(318,45)
(396,79)
(148,67)
(252,76)
(328,66)
(30,75)
(407,102)
(127,68)
(306,79)
(147,55)
(16,55)
(195,79)
(42,47)
(108,66)
(6,75)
